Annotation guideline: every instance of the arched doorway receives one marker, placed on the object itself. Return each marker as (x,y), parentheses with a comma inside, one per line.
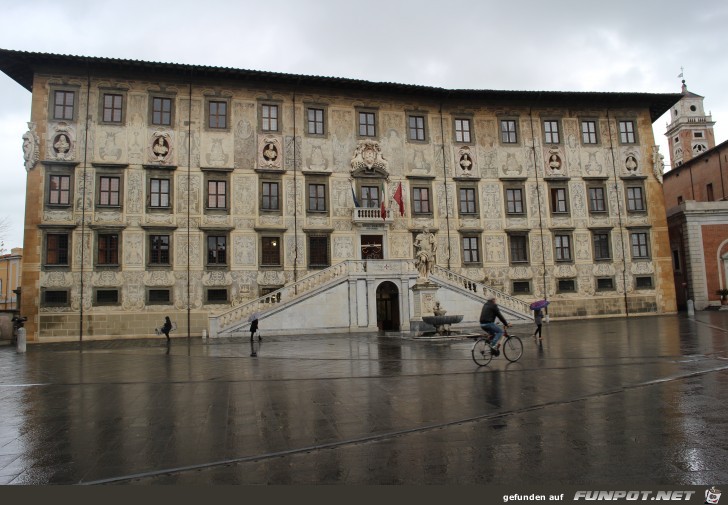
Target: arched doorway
(388,307)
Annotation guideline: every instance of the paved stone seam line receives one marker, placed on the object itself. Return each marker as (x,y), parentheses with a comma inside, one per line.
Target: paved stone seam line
(383,436)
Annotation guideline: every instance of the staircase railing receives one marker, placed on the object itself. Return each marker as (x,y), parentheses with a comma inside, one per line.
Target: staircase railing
(482,290)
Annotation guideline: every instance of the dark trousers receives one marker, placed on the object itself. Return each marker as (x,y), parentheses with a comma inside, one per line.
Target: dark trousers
(538,331)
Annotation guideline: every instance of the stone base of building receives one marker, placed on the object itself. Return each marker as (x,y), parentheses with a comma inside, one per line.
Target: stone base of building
(65,327)
(603,307)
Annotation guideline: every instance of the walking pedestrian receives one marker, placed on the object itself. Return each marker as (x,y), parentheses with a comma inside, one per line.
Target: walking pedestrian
(254,328)
(538,319)
(167,327)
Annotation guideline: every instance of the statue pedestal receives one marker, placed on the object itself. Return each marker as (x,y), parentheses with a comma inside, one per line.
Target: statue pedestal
(424,296)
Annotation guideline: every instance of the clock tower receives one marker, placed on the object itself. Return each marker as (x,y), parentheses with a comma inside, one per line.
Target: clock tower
(691,131)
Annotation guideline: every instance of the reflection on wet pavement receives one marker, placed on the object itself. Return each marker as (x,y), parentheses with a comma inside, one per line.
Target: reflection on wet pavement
(638,400)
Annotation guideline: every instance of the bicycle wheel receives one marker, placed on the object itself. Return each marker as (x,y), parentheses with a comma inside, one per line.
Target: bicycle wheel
(513,348)
(481,352)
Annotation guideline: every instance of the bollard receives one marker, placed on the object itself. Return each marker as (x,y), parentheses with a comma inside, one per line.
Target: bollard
(21,340)
(204,334)
(691,308)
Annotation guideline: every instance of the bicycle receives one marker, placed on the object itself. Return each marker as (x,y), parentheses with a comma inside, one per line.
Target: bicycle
(512,348)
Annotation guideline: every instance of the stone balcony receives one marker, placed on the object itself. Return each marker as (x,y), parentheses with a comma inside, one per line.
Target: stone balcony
(371,215)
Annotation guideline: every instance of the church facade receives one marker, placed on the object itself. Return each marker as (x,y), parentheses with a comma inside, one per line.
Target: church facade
(210,194)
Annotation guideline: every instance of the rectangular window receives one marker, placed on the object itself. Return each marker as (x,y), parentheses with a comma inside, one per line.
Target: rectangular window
(551,132)
(161,111)
(601,245)
(109,191)
(57,249)
(159,296)
(467,201)
(508,131)
(370,196)
(462,130)
(640,248)
(679,200)
(563,247)
(55,297)
(519,248)
(416,128)
(112,108)
(318,251)
(421,201)
(317,197)
(107,296)
(270,199)
(709,192)
(159,193)
(367,123)
(269,118)
(59,190)
(605,284)
(471,249)
(514,200)
(159,249)
(63,103)
(597,202)
(315,121)
(216,194)
(635,199)
(108,249)
(521,287)
(589,132)
(558,201)
(217,114)
(626,132)
(271,251)
(644,282)
(567,286)
(217,295)
(216,250)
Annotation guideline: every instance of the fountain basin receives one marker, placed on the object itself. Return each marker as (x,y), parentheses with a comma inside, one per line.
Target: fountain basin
(442,323)
(440,320)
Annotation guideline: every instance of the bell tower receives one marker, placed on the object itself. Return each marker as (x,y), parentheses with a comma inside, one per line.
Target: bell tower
(691,131)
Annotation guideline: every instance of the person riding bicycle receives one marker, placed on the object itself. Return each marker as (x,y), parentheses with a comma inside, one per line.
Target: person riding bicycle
(487,322)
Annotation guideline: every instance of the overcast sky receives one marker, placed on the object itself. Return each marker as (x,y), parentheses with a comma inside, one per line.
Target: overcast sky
(562,45)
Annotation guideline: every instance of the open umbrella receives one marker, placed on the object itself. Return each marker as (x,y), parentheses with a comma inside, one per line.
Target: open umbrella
(539,304)
(252,317)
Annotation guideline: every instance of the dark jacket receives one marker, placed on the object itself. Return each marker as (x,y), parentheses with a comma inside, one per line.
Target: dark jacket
(538,317)
(167,325)
(490,312)
(254,326)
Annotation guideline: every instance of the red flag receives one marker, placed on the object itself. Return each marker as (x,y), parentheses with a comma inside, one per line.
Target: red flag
(399,200)
(384,212)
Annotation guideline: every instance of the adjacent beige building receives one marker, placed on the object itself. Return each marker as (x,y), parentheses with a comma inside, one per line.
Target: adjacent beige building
(211,194)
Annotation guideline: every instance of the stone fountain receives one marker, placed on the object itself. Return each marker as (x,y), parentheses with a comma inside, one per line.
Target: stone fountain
(440,321)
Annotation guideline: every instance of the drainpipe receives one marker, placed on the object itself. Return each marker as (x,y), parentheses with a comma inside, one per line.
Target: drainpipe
(444,172)
(83,200)
(619,215)
(189,195)
(538,197)
(295,197)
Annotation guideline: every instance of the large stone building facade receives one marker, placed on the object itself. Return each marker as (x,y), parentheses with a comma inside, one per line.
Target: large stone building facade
(158,189)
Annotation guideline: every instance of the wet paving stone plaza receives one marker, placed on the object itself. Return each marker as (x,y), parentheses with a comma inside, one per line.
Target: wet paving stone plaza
(638,400)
